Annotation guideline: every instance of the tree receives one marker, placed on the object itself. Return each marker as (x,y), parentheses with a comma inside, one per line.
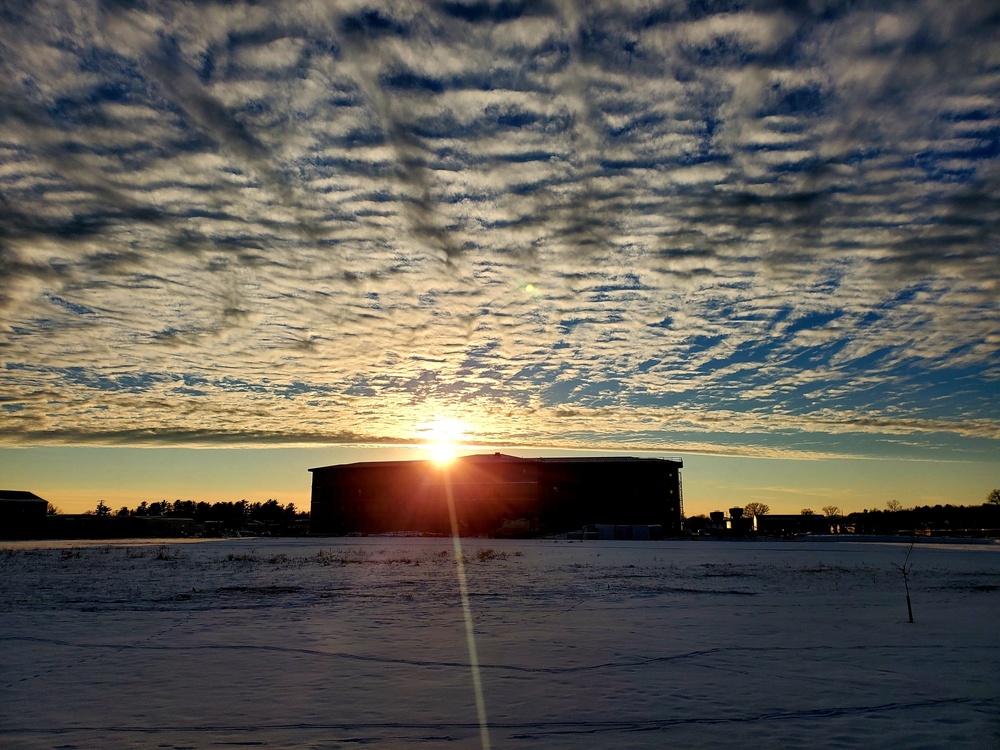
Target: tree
(183,508)
(905,570)
(808,512)
(52,510)
(268,512)
(993,498)
(832,511)
(893,506)
(755,509)
(102,510)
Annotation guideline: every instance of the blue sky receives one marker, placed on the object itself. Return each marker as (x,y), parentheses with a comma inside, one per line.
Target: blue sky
(754,230)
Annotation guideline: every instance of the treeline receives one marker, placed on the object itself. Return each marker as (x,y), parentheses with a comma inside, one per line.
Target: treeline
(961,520)
(937,520)
(232,516)
(180,518)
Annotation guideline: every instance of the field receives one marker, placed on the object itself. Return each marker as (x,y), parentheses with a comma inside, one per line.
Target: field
(330,643)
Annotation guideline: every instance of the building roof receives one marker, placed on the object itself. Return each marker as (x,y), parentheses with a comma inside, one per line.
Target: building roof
(607,460)
(19,495)
(504,458)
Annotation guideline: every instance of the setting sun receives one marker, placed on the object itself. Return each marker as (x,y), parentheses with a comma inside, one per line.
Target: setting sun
(442,453)
(442,438)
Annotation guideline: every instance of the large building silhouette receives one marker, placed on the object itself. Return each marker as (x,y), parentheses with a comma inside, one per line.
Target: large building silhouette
(496,495)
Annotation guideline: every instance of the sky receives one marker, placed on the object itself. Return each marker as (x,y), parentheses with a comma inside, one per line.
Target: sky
(239,240)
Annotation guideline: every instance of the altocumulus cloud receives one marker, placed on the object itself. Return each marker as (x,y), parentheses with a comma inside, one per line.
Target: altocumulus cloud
(757,227)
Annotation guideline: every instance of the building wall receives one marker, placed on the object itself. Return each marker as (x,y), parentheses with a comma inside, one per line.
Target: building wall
(493,493)
(612,492)
(22,516)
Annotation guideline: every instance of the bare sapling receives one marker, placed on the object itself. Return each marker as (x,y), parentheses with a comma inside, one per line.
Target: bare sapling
(905,570)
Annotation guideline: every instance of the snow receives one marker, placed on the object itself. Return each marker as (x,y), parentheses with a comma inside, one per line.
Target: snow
(329,643)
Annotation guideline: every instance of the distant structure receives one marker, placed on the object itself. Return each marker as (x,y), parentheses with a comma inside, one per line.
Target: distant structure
(792,525)
(22,514)
(496,495)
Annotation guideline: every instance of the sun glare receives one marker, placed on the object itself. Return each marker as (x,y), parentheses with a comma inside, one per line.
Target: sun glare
(442,438)
(442,453)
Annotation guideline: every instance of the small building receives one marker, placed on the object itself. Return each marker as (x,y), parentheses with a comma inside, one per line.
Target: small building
(22,515)
(495,494)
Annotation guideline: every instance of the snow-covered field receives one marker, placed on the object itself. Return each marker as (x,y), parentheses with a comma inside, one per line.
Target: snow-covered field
(327,643)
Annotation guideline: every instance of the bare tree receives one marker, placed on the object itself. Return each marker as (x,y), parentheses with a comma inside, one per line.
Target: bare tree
(755,509)
(905,569)
(893,505)
(832,511)
(808,512)
(993,498)
(52,510)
